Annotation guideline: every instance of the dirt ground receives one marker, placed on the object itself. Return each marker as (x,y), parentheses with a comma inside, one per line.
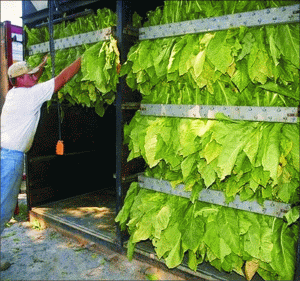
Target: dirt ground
(45,254)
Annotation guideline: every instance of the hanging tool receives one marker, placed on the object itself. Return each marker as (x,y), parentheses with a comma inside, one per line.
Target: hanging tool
(60,144)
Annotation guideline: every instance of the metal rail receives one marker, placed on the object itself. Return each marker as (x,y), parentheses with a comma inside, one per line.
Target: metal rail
(249,113)
(287,14)
(270,208)
(73,41)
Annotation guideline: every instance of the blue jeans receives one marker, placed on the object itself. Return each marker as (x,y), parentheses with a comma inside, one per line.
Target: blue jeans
(12,165)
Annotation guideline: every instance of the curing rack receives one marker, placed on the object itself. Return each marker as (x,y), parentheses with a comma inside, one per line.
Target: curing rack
(288,14)
(126,36)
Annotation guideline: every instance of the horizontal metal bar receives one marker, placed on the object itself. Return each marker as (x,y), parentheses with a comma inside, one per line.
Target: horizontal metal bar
(270,208)
(249,113)
(81,14)
(287,14)
(51,157)
(72,41)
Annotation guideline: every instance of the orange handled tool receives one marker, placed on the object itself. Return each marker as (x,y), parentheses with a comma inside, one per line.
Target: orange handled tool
(60,148)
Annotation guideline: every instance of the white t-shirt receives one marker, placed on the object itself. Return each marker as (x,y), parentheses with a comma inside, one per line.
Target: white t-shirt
(21,113)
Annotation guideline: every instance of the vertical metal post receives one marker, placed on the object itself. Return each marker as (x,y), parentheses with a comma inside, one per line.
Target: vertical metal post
(51,42)
(51,7)
(297,270)
(124,15)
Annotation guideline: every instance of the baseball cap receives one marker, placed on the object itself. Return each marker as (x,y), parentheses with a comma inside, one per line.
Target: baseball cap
(20,68)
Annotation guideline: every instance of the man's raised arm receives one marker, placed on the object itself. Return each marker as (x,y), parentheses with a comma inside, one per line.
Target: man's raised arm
(66,74)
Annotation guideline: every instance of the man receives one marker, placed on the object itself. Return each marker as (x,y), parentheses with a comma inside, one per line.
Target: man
(19,120)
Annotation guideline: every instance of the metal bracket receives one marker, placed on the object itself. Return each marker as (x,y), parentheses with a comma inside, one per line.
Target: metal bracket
(270,208)
(287,14)
(249,113)
(129,30)
(131,105)
(72,41)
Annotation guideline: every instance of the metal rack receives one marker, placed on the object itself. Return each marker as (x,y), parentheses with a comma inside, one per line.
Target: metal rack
(288,14)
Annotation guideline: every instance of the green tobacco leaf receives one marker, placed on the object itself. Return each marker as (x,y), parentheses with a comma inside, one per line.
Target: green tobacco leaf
(166,242)
(188,130)
(292,215)
(144,228)
(207,172)
(260,176)
(287,190)
(270,159)
(219,53)
(252,236)
(275,52)
(150,147)
(280,90)
(252,146)
(240,77)
(224,250)
(162,60)
(228,229)
(162,220)
(186,55)
(199,63)
(211,151)
(247,42)
(192,228)
(99,108)
(266,238)
(287,40)
(223,94)
(283,252)
(258,65)
(176,254)
(175,55)
(212,238)
(145,58)
(157,127)
(187,165)
(291,132)
(123,215)
(232,145)
(130,249)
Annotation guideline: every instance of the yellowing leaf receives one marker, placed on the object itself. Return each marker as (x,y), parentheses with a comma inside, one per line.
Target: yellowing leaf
(250,268)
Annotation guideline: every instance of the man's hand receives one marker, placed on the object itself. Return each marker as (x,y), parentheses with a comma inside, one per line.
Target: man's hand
(41,67)
(44,61)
